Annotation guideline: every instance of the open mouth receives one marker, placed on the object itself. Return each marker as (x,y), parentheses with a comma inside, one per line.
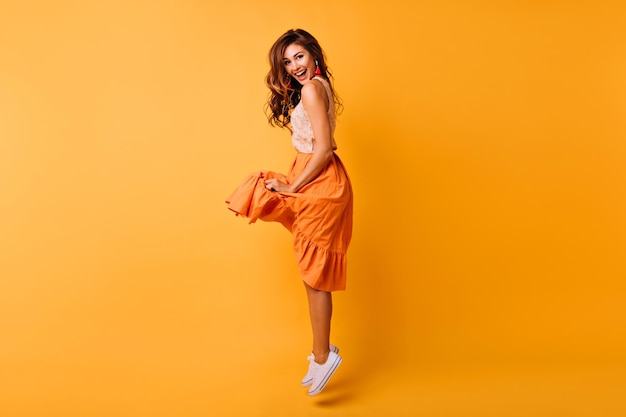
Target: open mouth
(300,74)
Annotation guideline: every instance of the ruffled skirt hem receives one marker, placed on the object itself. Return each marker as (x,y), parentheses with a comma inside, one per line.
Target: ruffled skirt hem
(319,218)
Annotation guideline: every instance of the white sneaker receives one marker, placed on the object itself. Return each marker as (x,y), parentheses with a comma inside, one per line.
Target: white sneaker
(322,373)
(308,378)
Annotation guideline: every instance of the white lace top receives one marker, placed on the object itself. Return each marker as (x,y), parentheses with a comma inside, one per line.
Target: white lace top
(302,133)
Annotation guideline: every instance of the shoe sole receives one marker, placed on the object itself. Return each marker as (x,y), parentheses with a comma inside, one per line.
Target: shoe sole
(330,373)
(310,381)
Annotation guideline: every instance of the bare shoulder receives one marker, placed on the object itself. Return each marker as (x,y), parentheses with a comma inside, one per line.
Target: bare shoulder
(314,94)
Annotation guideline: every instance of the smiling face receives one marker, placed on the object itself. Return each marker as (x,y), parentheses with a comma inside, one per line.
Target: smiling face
(299,63)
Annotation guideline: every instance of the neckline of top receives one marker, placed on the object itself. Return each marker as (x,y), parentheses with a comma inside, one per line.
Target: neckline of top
(319,77)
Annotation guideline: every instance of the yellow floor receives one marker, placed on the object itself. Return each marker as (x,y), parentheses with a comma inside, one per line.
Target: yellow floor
(223,372)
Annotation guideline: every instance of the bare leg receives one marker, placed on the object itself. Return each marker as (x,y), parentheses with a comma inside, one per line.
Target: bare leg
(321,310)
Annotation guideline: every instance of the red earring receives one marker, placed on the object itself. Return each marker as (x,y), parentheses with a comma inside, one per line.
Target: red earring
(317,68)
(288,81)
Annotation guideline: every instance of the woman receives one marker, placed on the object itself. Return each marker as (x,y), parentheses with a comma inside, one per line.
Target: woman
(314,200)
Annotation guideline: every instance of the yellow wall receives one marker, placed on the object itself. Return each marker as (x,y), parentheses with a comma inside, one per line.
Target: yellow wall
(485,142)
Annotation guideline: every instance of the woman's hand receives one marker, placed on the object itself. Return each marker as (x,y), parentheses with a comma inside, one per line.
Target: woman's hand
(274,184)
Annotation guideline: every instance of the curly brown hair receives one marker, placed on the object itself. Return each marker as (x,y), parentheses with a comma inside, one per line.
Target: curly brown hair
(285,90)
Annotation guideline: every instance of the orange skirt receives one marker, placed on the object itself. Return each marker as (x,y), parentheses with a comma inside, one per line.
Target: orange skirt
(319,217)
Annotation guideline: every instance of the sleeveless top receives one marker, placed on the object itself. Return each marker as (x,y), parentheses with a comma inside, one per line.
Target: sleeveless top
(302,132)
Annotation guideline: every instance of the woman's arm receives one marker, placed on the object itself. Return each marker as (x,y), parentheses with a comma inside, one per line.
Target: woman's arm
(315,102)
